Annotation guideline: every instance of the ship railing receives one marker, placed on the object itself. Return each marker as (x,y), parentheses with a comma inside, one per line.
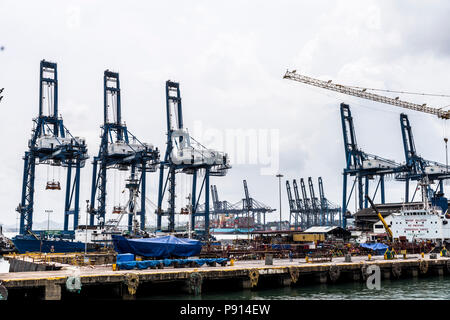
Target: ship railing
(418,207)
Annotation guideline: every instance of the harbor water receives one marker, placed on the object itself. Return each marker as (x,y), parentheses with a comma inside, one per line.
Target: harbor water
(434,288)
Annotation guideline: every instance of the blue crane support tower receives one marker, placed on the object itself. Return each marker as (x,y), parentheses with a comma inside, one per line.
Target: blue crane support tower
(120,150)
(51,144)
(215,201)
(363,167)
(418,166)
(185,155)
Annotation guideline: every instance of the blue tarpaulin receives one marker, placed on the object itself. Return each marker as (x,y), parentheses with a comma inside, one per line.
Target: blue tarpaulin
(124,257)
(379,248)
(281,246)
(128,265)
(161,247)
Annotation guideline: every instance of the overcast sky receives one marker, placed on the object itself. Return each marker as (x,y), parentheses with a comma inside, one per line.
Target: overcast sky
(229,58)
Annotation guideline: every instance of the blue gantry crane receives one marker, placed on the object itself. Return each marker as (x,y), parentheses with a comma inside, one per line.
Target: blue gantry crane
(311,211)
(216,202)
(247,207)
(363,166)
(185,155)
(418,166)
(119,150)
(315,205)
(223,206)
(293,209)
(307,207)
(255,207)
(53,145)
(301,212)
(331,213)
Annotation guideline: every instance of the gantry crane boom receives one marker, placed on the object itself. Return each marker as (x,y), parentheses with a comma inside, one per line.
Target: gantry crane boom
(362,93)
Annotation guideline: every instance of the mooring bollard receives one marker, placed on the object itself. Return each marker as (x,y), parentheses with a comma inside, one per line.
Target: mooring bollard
(404,254)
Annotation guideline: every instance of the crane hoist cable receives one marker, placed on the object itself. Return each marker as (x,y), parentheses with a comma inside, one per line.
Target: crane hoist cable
(51,100)
(48,99)
(115,186)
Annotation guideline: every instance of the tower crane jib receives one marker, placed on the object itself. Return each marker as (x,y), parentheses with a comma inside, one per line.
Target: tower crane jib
(362,93)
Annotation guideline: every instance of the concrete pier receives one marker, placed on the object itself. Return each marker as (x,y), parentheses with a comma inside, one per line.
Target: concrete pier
(249,275)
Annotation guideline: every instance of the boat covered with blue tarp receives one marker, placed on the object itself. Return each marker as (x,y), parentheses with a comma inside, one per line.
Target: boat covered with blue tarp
(160,247)
(379,248)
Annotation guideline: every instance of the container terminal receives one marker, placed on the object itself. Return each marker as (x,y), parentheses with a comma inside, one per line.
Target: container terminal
(232,243)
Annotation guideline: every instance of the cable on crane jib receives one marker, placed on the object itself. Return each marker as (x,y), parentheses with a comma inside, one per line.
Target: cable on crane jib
(404,92)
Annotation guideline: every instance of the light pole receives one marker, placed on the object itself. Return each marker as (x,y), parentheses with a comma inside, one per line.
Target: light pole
(446,154)
(279,176)
(85,228)
(48,219)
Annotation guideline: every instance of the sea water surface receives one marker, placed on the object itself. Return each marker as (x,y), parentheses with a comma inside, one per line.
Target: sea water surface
(430,288)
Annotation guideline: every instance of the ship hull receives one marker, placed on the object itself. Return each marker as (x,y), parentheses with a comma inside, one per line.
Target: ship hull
(51,246)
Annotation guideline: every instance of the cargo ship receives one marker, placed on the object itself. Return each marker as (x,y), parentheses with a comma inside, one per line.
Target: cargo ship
(423,221)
